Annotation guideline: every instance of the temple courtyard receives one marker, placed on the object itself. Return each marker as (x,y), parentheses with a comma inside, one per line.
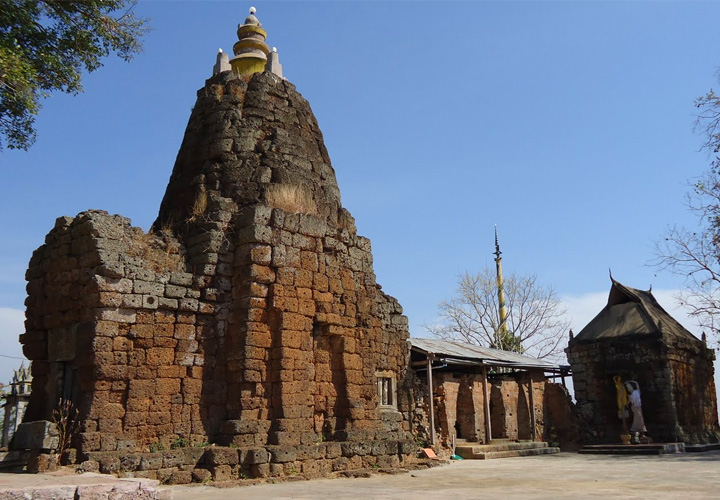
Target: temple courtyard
(565,475)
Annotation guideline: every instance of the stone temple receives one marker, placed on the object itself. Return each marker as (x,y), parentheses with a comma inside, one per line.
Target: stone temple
(248,317)
(634,338)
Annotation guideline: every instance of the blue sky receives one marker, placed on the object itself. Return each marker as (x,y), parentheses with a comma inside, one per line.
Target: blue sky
(567,124)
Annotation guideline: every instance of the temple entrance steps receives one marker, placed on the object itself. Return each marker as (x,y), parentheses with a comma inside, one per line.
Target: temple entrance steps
(502,448)
(633,449)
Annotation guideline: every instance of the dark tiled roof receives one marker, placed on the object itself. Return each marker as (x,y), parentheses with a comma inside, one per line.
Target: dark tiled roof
(632,313)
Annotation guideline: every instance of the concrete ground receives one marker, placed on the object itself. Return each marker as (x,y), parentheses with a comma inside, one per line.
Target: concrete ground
(566,475)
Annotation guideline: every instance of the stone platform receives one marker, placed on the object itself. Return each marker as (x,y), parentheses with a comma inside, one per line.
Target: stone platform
(66,485)
(696,448)
(13,461)
(633,449)
(503,449)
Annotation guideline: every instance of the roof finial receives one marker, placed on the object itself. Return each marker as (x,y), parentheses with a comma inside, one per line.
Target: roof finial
(502,335)
(250,50)
(497,245)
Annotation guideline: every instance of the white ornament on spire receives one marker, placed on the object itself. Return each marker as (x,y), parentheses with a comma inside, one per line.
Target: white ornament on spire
(253,10)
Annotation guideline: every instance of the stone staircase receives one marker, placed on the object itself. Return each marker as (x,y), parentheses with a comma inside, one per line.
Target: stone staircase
(502,448)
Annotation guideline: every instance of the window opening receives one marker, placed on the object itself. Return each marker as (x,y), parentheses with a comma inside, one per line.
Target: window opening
(386,390)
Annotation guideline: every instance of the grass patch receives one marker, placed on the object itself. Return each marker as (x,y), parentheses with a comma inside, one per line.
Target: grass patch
(291,198)
(199,206)
(161,252)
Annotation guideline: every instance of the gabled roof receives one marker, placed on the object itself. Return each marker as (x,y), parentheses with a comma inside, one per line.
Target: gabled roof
(467,354)
(632,313)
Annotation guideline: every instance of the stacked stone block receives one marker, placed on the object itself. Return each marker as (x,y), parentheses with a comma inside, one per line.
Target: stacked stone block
(117,334)
(249,316)
(676,383)
(217,463)
(306,339)
(693,382)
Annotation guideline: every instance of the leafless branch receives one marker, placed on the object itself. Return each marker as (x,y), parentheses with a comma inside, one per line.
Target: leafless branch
(535,315)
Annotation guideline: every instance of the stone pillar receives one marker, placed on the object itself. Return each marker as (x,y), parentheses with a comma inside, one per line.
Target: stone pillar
(6,424)
(273,64)
(222,63)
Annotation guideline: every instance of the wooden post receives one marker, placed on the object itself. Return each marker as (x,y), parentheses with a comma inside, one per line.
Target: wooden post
(486,405)
(432,399)
(533,434)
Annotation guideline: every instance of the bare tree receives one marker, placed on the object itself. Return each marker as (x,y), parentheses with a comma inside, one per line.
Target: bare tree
(695,254)
(536,320)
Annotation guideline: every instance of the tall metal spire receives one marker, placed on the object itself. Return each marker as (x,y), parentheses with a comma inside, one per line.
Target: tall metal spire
(502,310)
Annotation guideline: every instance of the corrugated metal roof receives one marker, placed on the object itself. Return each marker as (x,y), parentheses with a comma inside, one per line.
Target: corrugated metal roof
(485,355)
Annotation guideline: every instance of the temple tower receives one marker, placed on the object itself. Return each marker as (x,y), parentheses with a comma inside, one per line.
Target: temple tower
(250,315)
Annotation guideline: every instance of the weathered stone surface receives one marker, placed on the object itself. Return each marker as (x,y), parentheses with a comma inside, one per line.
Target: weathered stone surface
(221,456)
(38,435)
(250,316)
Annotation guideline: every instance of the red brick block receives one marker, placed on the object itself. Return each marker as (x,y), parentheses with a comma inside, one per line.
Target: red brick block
(186,318)
(184,331)
(171,371)
(255,353)
(286,276)
(262,274)
(191,386)
(304,278)
(306,307)
(167,386)
(323,296)
(121,344)
(164,342)
(309,261)
(259,315)
(140,389)
(292,321)
(261,254)
(287,304)
(259,339)
(160,356)
(137,406)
